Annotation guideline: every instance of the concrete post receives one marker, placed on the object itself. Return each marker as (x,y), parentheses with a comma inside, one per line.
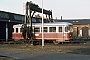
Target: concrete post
(6,32)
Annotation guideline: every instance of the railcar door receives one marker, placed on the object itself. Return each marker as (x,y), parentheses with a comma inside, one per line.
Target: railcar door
(60,33)
(63,33)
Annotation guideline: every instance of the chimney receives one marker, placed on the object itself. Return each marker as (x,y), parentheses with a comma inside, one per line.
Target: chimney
(61,17)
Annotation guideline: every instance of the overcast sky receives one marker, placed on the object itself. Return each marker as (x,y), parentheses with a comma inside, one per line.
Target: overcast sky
(69,9)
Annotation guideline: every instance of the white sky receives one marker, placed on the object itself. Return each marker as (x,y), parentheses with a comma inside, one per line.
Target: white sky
(69,9)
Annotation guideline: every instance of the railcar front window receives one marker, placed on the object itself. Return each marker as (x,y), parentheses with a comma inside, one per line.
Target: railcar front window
(60,29)
(66,29)
(16,30)
(52,29)
(37,29)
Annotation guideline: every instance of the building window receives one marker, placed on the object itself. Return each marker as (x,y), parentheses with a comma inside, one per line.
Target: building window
(20,29)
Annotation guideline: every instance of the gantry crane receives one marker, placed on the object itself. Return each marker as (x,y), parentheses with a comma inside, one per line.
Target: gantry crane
(31,9)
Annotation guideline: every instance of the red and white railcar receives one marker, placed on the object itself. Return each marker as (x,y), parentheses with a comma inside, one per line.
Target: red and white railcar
(56,31)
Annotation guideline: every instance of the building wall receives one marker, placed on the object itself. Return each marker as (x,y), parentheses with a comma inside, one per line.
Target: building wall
(6,29)
(81,31)
(2,30)
(10,29)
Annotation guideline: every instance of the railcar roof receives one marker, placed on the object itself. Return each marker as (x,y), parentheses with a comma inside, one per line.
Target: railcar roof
(47,24)
(55,23)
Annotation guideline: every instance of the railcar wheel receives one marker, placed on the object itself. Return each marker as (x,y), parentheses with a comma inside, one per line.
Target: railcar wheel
(56,42)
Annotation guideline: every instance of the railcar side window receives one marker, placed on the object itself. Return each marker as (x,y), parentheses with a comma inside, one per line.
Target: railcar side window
(66,29)
(16,30)
(45,29)
(60,29)
(33,20)
(52,29)
(40,20)
(37,29)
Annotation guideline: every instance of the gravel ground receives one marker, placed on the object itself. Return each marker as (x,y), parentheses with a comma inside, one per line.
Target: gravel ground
(66,48)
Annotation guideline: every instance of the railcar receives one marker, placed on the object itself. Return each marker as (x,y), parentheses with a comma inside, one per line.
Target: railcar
(55,31)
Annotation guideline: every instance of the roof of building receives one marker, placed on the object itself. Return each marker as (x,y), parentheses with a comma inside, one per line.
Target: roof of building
(11,17)
(19,18)
(75,21)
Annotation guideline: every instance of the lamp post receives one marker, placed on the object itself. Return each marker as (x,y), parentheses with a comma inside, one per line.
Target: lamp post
(42,27)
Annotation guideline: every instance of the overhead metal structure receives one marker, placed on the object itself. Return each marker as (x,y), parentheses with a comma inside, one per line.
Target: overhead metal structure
(31,9)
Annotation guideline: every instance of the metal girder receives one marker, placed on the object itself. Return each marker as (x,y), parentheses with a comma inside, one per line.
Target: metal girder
(36,8)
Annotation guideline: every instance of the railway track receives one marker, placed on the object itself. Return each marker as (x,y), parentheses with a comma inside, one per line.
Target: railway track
(46,43)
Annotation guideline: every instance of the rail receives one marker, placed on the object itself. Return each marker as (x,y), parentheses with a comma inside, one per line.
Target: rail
(11,41)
